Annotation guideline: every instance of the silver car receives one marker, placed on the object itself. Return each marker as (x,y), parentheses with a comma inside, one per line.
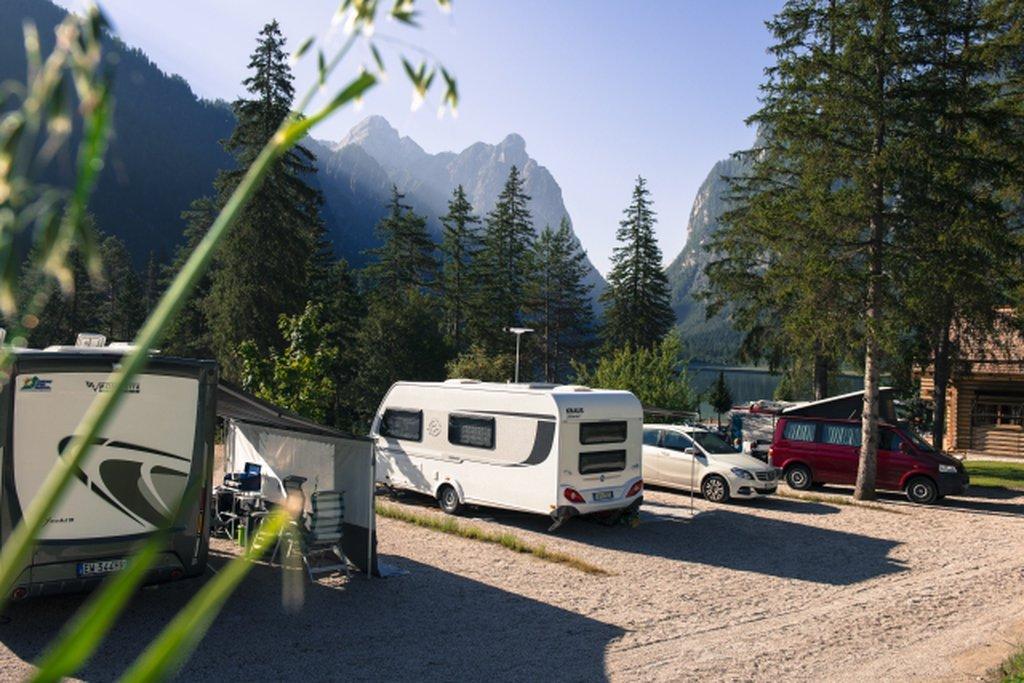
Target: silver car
(685,457)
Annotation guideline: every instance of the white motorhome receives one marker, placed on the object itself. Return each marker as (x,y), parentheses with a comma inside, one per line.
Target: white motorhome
(543,448)
(159,442)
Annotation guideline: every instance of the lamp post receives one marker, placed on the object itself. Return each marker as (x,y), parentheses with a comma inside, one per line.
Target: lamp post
(519,332)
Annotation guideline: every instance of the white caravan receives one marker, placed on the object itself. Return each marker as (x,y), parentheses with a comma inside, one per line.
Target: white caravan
(556,450)
(158,444)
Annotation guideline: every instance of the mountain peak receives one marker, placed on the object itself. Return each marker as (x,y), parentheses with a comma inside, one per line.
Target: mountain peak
(375,126)
(514,142)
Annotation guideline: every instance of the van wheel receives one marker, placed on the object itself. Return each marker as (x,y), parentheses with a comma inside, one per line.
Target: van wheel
(799,477)
(715,489)
(922,490)
(448,499)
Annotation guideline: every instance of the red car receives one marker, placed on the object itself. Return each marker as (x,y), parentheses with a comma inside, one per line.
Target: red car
(812,450)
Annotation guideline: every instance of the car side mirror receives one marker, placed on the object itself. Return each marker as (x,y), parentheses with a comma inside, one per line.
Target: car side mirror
(905,449)
(690,451)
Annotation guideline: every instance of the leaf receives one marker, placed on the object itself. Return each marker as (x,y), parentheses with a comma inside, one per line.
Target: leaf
(303,49)
(377,58)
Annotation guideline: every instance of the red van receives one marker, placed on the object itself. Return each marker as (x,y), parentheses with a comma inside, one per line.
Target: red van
(812,450)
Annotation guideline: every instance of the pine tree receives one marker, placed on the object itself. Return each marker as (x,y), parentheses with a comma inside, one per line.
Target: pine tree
(189,333)
(121,309)
(151,289)
(637,312)
(405,258)
(503,266)
(720,397)
(265,265)
(559,302)
(460,243)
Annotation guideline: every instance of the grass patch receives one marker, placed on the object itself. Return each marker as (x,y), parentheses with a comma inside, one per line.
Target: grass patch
(838,500)
(447,524)
(1012,670)
(1009,475)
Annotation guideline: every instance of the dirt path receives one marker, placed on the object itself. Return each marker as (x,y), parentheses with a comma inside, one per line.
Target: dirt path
(766,590)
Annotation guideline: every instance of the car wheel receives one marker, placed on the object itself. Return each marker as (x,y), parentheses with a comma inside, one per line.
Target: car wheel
(715,489)
(448,499)
(799,477)
(922,490)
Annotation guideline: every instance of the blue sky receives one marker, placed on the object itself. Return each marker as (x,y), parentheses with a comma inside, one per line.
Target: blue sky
(600,90)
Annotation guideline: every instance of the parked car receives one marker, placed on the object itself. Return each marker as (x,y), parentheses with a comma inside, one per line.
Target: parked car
(827,451)
(686,457)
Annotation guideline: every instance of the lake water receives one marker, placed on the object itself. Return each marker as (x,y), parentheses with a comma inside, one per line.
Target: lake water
(752,384)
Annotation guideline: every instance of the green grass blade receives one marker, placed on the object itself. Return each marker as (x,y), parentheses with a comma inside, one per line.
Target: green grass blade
(175,643)
(16,551)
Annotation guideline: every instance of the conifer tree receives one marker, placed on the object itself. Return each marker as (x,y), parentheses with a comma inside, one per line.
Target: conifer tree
(460,243)
(189,334)
(121,305)
(503,266)
(637,312)
(405,259)
(720,397)
(264,266)
(151,288)
(559,302)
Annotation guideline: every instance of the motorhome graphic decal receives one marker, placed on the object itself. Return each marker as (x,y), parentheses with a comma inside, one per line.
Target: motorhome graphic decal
(141,490)
(35,383)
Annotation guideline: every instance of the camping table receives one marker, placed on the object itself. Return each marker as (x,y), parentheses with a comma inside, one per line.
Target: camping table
(244,504)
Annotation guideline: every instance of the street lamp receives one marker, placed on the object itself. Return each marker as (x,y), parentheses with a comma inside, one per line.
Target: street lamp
(519,332)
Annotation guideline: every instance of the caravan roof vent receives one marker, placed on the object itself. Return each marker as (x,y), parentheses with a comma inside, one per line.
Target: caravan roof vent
(90,340)
(575,387)
(542,385)
(462,380)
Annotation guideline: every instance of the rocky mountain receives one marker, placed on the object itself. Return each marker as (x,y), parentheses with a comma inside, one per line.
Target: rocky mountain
(356,175)
(166,151)
(714,339)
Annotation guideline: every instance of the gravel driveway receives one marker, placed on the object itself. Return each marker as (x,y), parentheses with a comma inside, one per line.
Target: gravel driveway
(775,588)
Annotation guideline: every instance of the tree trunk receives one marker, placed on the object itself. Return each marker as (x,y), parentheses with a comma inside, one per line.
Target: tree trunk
(868,465)
(941,378)
(820,377)
(866,469)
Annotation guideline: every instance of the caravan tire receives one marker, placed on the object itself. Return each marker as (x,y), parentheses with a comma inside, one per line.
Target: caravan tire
(448,499)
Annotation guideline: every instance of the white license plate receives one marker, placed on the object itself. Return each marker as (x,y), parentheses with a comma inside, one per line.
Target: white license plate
(101,567)
(604,495)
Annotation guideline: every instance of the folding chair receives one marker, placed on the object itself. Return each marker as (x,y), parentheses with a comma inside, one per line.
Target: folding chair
(323,532)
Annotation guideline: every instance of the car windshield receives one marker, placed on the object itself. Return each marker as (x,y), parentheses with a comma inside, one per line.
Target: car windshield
(711,443)
(919,442)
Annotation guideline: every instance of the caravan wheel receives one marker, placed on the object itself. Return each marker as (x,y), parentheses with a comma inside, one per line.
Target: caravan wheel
(448,499)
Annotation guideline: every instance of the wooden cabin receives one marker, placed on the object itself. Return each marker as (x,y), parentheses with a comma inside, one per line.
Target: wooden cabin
(985,397)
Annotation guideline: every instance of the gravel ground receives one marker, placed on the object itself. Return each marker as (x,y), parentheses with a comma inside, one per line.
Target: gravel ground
(771,589)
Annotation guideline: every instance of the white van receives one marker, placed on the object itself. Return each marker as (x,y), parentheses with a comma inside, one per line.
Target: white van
(549,449)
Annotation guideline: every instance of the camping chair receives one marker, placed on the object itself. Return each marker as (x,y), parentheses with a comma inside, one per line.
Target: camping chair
(322,533)
(225,517)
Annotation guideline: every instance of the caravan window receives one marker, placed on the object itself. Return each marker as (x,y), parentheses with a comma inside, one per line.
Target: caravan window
(402,424)
(595,462)
(602,432)
(471,431)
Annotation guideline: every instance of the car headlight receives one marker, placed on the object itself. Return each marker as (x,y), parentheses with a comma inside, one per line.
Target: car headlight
(742,473)
(947,469)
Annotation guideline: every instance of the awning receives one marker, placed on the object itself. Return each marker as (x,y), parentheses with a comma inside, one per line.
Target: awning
(234,403)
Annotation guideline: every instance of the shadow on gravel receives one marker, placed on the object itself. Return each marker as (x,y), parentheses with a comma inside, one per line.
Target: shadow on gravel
(427,624)
(768,503)
(984,500)
(722,537)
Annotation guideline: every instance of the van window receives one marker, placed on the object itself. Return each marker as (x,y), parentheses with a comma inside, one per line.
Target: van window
(602,461)
(840,434)
(471,431)
(799,431)
(402,424)
(651,437)
(676,442)
(602,432)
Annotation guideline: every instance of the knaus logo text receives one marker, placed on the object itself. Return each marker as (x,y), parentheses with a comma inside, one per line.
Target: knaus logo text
(571,413)
(103,387)
(35,383)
